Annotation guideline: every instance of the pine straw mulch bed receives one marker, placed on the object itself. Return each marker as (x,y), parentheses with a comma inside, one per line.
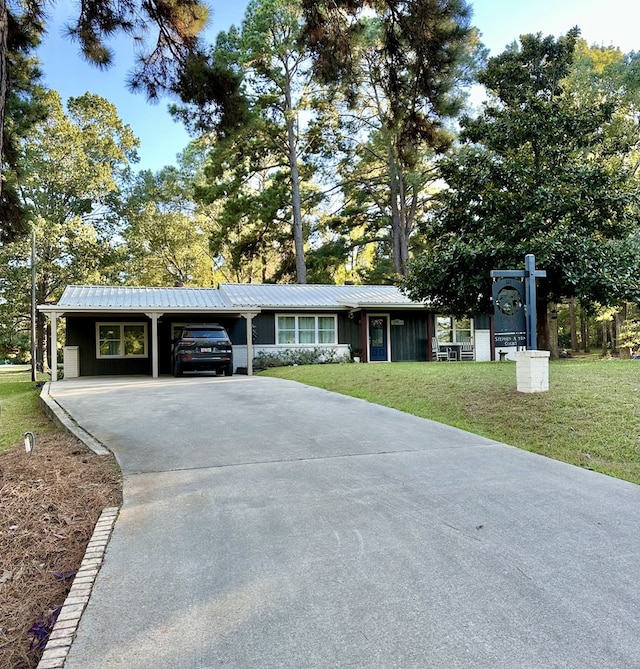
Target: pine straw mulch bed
(50,502)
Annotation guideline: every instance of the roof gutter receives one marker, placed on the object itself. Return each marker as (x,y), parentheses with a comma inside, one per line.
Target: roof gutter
(354,306)
(60,309)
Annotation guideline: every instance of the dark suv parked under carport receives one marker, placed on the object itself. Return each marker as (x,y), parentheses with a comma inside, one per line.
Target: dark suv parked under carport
(203,347)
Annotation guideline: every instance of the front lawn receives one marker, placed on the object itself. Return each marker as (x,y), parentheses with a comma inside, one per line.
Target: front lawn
(590,417)
(19,406)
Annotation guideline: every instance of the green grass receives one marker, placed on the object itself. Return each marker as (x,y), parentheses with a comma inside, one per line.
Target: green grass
(20,406)
(590,417)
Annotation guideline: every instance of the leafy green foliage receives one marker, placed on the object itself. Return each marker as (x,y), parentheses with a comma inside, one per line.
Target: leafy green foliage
(420,45)
(293,357)
(167,234)
(73,166)
(210,86)
(20,108)
(535,174)
(177,25)
(399,66)
(261,163)
(251,236)
(629,336)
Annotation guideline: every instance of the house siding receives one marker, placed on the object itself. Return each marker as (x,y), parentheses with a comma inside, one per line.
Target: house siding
(81,332)
(482,322)
(409,340)
(264,326)
(349,330)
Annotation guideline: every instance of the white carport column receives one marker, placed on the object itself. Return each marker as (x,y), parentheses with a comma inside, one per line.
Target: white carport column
(249,321)
(154,342)
(54,315)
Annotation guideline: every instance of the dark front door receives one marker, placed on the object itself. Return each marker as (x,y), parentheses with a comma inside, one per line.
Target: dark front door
(378,338)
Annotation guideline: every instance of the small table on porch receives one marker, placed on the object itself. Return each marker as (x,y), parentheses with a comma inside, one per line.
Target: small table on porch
(452,349)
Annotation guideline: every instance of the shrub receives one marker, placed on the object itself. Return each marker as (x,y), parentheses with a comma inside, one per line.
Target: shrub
(300,356)
(629,336)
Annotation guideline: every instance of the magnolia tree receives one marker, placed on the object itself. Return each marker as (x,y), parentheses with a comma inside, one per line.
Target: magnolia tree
(541,170)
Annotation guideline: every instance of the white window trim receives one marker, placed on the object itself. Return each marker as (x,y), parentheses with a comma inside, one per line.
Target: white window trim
(121,325)
(297,329)
(454,329)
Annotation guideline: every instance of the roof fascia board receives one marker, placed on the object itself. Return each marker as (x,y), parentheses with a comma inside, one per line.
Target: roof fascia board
(386,305)
(304,307)
(158,310)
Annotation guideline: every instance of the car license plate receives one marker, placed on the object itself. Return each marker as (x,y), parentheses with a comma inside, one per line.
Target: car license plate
(205,350)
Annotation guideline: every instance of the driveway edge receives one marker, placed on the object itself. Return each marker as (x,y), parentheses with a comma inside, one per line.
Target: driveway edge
(64,630)
(64,420)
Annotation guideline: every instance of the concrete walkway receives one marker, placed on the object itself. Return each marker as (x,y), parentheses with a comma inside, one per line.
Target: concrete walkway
(267,524)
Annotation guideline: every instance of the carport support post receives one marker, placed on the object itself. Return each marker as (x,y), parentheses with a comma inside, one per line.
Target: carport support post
(53,315)
(249,322)
(154,343)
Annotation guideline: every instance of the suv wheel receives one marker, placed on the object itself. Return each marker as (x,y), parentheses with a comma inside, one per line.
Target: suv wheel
(228,370)
(177,369)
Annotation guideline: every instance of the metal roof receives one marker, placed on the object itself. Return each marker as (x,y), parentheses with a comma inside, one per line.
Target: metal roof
(315,296)
(229,297)
(131,297)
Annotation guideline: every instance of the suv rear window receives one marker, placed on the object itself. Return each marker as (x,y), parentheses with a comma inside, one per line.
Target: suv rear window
(204,334)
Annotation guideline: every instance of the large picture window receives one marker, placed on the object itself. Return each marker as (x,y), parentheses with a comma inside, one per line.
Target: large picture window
(314,330)
(450,330)
(121,340)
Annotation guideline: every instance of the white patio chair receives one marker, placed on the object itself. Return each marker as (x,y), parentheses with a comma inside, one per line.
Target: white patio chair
(437,354)
(466,351)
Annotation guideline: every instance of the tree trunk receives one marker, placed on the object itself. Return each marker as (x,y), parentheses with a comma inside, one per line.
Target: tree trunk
(400,224)
(604,337)
(573,324)
(553,332)
(584,331)
(394,193)
(615,330)
(396,236)
(298,231)
(543,326)
(296,201)
(3,80)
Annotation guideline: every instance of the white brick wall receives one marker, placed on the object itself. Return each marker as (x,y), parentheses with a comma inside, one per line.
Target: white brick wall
(532,371)
(239,357)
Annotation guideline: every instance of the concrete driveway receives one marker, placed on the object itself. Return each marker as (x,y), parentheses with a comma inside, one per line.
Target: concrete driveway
(267,524)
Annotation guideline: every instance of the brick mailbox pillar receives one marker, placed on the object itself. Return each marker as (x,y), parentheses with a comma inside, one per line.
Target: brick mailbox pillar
(532,371)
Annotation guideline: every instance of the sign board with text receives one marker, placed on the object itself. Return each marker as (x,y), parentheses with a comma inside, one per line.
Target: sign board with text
(510,327)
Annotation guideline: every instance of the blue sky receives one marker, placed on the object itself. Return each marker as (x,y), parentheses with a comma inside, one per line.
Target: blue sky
(500,22)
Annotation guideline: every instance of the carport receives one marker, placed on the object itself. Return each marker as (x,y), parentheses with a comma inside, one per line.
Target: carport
(142,320)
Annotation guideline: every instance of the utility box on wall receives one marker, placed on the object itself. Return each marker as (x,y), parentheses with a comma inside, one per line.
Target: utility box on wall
(71,361)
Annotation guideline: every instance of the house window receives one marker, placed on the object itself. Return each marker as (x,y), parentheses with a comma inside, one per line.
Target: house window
(451,330)
(121,340)
(314,330)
